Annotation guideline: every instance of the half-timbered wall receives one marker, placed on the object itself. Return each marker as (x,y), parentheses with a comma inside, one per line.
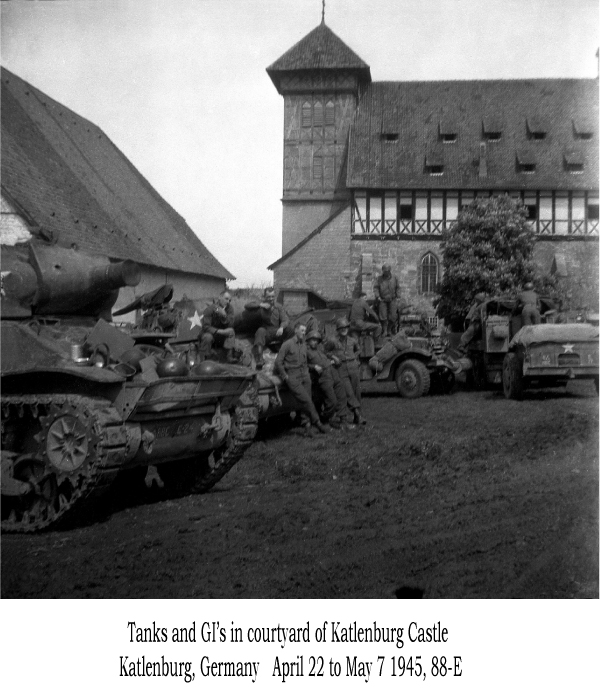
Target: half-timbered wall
(409,212)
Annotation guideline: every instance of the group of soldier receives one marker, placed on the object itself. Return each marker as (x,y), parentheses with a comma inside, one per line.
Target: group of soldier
(313,369)
(527,305)
(327,371)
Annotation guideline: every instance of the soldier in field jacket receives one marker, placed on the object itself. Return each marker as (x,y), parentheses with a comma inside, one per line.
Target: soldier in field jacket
(387,292)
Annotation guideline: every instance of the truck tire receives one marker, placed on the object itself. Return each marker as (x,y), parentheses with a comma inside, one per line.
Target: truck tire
(412,379)
(512,377)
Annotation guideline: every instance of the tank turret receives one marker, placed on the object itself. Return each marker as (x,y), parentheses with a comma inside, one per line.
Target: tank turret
(44,279)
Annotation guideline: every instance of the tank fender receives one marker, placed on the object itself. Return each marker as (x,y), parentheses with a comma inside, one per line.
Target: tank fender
(389,368)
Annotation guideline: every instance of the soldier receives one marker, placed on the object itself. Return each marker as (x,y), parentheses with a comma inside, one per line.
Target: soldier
(360,312)
(291,364)
(344,350)
(474,320)
(527,302)
(274,320)
(217,328)
(387,291)
(326,381)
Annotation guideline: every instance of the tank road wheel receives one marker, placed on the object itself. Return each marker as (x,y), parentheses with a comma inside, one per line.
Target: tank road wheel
(61,449)
(412,379)
(202,473)
(512,377)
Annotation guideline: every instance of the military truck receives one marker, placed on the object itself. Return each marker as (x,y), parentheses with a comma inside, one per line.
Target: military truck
(83,400)
(515,357)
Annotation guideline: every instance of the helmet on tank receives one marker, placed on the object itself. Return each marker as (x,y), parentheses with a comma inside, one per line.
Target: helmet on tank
(528,286)
(480,297)
(209,368)
(172,367)
(313,334)
(342,323)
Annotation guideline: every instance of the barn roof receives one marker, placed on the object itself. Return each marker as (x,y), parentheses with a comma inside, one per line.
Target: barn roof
(67,177)
(320,49)
(403,130)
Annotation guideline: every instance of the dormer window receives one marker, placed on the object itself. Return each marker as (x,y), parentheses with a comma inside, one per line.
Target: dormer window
(537,128)
(434,163)
(582,129)
(526,162)
(492,128)
(448,131)
(573,160)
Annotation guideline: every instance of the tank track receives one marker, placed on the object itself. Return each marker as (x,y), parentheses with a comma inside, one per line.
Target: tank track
(60,494)
(191,477)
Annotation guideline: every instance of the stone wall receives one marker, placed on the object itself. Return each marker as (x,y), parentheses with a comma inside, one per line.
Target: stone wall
(322,263)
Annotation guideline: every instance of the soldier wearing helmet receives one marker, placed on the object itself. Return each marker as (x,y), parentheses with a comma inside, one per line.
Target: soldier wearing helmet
(473,319)
(387,292)
(528,303)
(344,352)
(292,366)
(360,313)
(327,385)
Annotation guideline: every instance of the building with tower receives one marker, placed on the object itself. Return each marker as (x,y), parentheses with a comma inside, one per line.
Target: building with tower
(374,171)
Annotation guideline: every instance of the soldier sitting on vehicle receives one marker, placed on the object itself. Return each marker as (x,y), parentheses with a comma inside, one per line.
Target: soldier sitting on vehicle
(326,381)
(274,321)
(217,328)
(344,350)
(360,312)
(528,304)
(473,319)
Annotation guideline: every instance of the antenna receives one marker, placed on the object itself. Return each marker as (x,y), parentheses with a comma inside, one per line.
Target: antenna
(323,13)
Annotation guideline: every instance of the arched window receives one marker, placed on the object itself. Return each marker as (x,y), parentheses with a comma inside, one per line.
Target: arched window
(318,115)
(429,273)
(329,114)
(306,115)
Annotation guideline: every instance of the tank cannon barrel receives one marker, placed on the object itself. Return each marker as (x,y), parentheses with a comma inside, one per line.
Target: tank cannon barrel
(116,275)
(48,279)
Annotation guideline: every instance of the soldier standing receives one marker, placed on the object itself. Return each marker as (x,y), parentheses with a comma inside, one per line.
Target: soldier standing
(474,321)
(274,320)
(360,313)
(291,364)
(528,302)
(387,291)
(326,381)
(345,350)
(217,327)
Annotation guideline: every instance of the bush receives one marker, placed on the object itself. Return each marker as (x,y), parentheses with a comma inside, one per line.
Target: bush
(488,249)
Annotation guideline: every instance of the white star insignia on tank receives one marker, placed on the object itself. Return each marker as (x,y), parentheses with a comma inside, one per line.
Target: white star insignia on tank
(195,320)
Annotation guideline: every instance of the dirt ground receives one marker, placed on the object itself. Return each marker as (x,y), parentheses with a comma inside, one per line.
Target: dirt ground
(465,495)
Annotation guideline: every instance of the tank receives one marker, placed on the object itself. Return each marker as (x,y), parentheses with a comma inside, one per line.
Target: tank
(84,400)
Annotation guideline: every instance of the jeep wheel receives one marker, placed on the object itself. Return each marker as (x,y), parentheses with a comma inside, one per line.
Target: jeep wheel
(412,379)
(512,377)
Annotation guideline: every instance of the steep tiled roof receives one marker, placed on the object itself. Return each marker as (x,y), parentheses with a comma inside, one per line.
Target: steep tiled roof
(416,116)
(69,178)
(320,49)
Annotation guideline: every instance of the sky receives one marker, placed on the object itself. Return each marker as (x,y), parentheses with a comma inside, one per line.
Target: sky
(180,85)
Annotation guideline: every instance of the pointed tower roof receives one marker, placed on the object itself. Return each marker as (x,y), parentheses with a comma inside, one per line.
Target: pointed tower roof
(320,49)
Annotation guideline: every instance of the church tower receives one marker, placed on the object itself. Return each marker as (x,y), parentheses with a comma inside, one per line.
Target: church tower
(321,80)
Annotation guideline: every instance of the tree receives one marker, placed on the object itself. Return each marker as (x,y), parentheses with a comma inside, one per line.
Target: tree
(487,249)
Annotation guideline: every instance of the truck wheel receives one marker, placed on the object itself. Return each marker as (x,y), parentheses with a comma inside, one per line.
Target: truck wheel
(412,379)
(512,377)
